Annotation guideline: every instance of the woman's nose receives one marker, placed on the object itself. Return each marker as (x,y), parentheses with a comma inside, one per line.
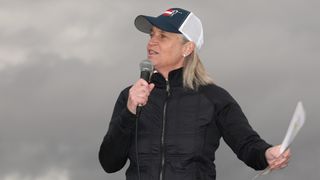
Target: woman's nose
(153,40)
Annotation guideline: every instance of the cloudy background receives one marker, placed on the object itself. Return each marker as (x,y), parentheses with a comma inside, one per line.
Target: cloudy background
(64,62)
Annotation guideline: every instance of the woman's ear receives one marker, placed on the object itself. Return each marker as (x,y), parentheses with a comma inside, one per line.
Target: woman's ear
(188,48)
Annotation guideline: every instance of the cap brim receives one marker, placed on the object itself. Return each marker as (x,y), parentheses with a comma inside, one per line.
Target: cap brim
(145,23)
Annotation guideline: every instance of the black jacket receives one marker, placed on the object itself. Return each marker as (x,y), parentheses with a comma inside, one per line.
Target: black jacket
(179,132)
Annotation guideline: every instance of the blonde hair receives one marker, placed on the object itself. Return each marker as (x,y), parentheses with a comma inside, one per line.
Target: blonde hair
(194,73)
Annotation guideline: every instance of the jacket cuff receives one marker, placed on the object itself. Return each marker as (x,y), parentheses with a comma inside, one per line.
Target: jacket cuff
(262,156)
(128,120)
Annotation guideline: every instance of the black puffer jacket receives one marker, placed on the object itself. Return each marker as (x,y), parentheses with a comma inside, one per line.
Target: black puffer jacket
(179,132)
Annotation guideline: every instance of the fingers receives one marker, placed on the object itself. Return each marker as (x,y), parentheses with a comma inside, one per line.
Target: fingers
(277,160)
(287,153)
(138,94)
(281,161)
(272,153)
(151,86)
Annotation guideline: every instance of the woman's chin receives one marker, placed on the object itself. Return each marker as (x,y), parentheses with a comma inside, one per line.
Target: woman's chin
(153,60)
(151,57)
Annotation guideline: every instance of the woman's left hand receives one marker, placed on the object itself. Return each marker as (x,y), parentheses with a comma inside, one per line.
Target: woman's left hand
(275,159)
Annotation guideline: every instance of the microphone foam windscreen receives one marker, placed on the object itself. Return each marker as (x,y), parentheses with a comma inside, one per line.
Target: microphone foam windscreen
(146,65)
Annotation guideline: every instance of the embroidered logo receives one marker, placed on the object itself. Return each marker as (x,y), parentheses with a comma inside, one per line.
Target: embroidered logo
(171,12)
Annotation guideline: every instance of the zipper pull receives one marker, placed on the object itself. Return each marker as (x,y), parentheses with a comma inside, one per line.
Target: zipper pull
(168,87)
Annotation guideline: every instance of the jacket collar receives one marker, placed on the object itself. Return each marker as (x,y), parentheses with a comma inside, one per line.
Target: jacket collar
(174,79)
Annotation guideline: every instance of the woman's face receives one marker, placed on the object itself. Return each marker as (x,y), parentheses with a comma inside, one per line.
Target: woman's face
(165,50)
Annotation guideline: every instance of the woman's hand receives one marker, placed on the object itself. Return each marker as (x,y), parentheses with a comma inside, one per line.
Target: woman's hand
(138,95)
(275,159)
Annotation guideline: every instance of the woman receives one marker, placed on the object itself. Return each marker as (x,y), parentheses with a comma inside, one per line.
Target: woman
(184,113)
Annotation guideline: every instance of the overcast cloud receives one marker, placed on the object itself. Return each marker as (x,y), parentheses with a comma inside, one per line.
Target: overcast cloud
(64,62)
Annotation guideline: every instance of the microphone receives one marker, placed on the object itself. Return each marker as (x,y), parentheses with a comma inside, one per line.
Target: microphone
(146,70)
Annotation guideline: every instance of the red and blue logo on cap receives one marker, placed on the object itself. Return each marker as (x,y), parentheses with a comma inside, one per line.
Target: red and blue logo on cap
(171,12)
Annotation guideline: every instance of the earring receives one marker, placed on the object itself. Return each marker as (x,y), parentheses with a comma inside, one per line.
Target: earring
(184,55)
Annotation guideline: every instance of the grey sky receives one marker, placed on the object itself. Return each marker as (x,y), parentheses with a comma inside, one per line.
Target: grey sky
(64,62)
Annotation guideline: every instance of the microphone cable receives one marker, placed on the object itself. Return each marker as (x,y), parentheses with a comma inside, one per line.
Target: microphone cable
(138,112)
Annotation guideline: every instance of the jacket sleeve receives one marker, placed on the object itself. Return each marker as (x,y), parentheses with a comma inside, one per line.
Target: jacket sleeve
(114,149)
(239,135)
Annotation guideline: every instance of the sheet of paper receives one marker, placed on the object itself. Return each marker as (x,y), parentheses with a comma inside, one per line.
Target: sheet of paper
(296,123)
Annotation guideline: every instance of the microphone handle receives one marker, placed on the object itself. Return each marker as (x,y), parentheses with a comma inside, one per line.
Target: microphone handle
(146,76)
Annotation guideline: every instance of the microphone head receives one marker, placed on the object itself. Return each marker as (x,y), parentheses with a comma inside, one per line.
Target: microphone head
(146,65)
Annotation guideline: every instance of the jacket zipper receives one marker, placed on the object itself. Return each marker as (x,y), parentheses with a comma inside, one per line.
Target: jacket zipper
(163,131)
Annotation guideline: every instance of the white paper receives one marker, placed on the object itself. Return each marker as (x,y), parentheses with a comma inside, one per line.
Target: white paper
(296,123)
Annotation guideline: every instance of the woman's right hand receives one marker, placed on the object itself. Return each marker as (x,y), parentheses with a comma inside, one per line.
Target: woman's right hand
(138,95)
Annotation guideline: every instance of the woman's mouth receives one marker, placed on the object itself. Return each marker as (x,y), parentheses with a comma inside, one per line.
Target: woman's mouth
(152,52)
